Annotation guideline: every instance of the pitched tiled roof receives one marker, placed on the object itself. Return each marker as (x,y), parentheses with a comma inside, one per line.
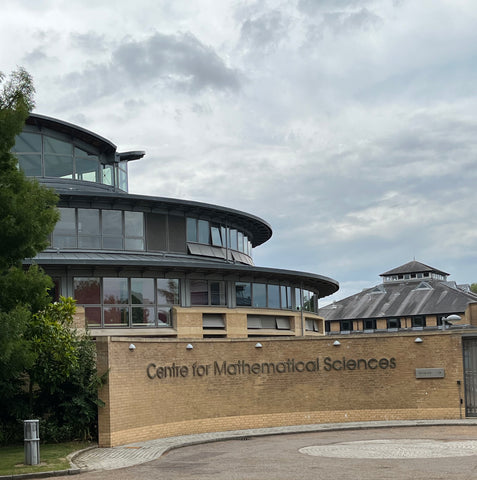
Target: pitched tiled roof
(401,299)
(412,267)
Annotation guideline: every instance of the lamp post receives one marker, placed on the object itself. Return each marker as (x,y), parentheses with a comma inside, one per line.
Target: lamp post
(451,319)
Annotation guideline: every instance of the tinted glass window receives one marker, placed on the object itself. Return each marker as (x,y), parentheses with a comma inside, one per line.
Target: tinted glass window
(27,142)
(134,224)
(167,291)
(60,166)
(30,164)
(53,145)
(273,296)
(115,290)
(259,295)
(142,291)
(217,293)
(87,290)
(199,294)
(204,236)
(243,294)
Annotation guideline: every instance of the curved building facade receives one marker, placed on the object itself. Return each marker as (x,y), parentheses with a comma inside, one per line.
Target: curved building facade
(152,266)
(194,336)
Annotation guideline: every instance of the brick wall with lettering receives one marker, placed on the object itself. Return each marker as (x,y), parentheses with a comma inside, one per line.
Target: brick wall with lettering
(163,389)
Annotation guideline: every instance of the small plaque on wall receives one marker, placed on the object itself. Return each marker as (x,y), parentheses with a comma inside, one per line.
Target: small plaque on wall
(430,373)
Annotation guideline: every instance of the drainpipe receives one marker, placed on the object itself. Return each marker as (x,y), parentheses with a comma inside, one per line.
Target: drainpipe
(301,310)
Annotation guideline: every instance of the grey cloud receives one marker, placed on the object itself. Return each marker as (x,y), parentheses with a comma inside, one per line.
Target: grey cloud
(312,7)
(178,62)
(89,42)
(35,56)
(197,66)
(264,32)
(362,19)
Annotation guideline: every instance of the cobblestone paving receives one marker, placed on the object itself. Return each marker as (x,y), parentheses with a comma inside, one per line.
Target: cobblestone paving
(405,448)
(142,452)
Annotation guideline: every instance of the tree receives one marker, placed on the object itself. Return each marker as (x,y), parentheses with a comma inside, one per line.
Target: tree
(47,369)
(27,216)
(473,287)
(63,381)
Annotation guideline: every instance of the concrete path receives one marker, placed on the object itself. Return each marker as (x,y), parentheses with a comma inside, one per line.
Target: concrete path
(142,452)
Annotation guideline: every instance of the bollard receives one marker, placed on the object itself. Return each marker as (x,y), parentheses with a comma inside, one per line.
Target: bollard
(32,441)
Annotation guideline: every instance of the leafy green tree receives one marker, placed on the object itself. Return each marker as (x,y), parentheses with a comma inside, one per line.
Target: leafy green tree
(27,216)
(473,287)
(63,380)
(46,367)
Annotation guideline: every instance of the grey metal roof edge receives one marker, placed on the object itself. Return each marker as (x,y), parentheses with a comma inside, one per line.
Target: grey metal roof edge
(51,121)
(325,285)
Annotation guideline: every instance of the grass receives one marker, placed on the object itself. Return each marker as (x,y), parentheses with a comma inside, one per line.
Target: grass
(52,457)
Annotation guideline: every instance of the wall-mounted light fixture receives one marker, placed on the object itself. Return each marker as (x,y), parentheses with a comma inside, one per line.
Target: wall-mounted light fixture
(258,345)
(189,346)
(418,340)
(132,347)
(336,343)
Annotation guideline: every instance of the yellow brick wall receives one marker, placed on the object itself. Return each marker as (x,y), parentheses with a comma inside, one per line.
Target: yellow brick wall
(195,397)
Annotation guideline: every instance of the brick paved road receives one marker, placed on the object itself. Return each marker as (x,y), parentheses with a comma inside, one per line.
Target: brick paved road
(279,458)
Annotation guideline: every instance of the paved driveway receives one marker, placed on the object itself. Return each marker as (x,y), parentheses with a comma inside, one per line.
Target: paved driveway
(438,452)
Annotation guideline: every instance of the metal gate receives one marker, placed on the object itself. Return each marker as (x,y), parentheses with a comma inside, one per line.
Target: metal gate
(470,376)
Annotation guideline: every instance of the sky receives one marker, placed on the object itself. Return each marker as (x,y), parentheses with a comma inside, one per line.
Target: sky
(350,126)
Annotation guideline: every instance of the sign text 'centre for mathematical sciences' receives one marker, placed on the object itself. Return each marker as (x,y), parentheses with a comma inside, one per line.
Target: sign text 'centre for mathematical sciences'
(241,367)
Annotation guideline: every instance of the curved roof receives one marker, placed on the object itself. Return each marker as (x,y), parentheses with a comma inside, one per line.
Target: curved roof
(186,265)
(259,229)
(69,129)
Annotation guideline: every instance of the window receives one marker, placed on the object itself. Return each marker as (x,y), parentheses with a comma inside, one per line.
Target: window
(58,158)
(285,297)
(259,295)
(122,176)
(243,294)
(203,232)
(216,237)
(126,302)
(107,176)
(273,296)
(418,321)
(133,230)
(393,323)
(86,166)
(64,235)
(167,291)
(262,295)
(88,228)
(369,324)
(112,229)
(205,292)
(346,325)
(94,229)
(87,291)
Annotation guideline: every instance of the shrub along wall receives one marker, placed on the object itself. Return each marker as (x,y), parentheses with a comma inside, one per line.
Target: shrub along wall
(163,389)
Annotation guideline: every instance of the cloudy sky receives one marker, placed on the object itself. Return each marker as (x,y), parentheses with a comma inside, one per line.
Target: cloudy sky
(349,125)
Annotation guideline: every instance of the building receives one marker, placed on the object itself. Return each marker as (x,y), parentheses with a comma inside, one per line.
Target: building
(150,266)
(196,338)
(412,296)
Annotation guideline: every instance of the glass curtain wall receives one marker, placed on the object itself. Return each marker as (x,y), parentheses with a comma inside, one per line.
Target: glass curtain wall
(126,302)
